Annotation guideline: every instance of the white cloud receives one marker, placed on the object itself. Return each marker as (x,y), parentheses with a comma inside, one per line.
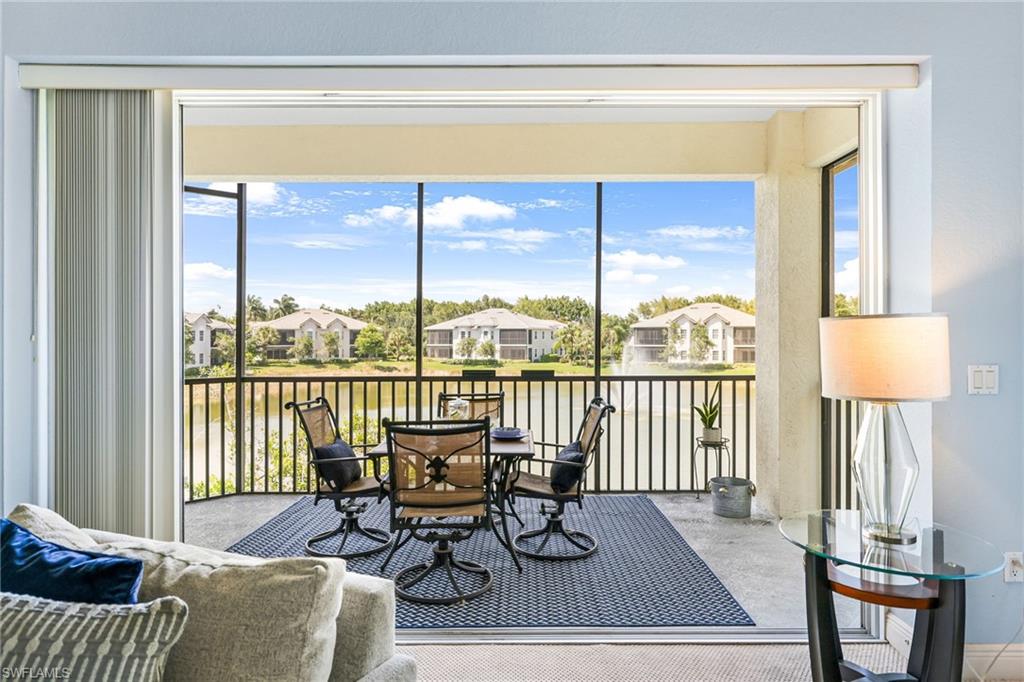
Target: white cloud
(206,270)
(381,215)
(351,193)
(256,193)
(630,259)
(317,240)
(847,240)
(703,232)
(468,245)
(546,203)
(720,247)
(511,234)
(508,289)
(449,215)
(679,290)
(262,199)
(455,212)
(319,244)
(750,273)
(625,275)
(847,280)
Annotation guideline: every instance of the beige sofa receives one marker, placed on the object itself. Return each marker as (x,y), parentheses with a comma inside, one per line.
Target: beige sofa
(283,619)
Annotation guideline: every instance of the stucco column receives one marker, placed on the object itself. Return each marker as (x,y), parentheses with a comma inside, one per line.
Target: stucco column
(788,294)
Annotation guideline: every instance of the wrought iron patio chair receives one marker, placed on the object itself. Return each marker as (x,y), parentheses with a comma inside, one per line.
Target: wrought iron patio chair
(321,428)
(480,405)
(439,494)
(534,486)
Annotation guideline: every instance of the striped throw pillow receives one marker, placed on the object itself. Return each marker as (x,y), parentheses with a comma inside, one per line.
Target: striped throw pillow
(47,639)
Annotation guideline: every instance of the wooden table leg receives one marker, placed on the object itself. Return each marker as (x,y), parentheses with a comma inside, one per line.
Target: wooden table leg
(822,631)
(937,649)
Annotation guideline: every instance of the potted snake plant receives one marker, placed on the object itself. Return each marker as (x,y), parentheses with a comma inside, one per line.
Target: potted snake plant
(709,412)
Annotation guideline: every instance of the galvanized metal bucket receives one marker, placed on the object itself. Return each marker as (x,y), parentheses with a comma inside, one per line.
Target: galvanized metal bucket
(730,496)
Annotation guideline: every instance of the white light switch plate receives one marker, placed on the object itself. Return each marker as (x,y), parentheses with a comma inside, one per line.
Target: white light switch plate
(982,379)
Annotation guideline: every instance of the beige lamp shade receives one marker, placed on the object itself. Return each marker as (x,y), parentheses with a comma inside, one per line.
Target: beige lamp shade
(885,358)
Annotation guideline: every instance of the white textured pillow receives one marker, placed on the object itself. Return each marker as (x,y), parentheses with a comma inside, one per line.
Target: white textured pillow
(49,525)
(249,618)
(73,641)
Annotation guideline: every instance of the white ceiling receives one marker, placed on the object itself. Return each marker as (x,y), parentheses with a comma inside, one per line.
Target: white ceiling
(375,115)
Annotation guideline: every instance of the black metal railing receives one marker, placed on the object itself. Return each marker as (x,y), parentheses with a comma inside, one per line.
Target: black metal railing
(648,446)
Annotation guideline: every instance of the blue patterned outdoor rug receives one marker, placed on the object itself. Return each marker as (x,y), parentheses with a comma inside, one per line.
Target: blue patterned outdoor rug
(643,574)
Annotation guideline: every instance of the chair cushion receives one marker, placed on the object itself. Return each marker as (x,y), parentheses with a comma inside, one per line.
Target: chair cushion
(33,566)
(78,641)
(272,619)
(565,478)
(469,510)
(341,474)
(534,485)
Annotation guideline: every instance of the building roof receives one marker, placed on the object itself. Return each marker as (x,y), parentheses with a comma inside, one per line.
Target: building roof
(699,313)
(502,318)
(322,318)
(211,322)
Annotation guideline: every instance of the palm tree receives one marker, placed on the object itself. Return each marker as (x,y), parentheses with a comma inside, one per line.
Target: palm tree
(255,309)
(285,305)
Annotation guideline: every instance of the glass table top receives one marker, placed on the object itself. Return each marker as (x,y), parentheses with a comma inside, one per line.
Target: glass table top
(940,552)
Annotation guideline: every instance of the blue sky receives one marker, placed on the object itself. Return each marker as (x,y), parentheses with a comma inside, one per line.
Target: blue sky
(348,244)
(847,278)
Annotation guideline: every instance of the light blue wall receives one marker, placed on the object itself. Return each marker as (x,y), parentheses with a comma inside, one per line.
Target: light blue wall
(975,175)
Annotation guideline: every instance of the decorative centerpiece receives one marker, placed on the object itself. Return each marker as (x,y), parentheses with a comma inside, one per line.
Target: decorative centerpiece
(709,411)
(458,408)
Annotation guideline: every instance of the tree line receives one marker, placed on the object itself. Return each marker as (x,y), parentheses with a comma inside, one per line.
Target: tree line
(389,332)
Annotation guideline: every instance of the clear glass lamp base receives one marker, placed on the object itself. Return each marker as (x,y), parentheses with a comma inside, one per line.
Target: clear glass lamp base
(886,470)
(889,535)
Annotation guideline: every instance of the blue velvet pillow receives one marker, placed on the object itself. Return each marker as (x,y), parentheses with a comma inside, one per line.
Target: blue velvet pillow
(39,568)
(341,474)
(565,478)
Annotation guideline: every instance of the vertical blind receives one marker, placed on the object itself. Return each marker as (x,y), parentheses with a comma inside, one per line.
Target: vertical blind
(102,220)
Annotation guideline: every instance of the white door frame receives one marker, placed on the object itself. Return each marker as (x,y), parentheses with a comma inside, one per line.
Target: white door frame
(625,88)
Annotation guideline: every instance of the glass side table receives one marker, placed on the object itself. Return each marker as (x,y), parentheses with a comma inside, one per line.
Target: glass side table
(927,576)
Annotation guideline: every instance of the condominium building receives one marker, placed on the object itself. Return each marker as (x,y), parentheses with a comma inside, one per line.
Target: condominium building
(515,336)
(669,336)
(205,330)
(314,323)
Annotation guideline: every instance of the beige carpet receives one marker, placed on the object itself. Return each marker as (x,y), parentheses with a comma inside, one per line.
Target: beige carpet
(633,662)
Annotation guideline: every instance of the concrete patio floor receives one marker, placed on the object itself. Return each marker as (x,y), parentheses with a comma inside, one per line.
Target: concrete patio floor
(761,570)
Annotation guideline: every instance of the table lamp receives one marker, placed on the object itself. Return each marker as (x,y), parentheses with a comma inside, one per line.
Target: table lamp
(885,360)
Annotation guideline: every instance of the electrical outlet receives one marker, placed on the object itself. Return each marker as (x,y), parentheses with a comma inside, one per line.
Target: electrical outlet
(1013,569)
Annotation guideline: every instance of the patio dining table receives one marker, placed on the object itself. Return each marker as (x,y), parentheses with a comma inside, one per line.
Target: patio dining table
(508,453)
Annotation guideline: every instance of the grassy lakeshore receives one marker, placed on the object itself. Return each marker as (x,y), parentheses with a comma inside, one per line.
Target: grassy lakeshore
(277,368)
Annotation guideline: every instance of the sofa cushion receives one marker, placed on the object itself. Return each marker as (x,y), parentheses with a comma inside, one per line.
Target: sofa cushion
(49,525)
(249,618)
(32,565)
(366,627)
(79,641)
